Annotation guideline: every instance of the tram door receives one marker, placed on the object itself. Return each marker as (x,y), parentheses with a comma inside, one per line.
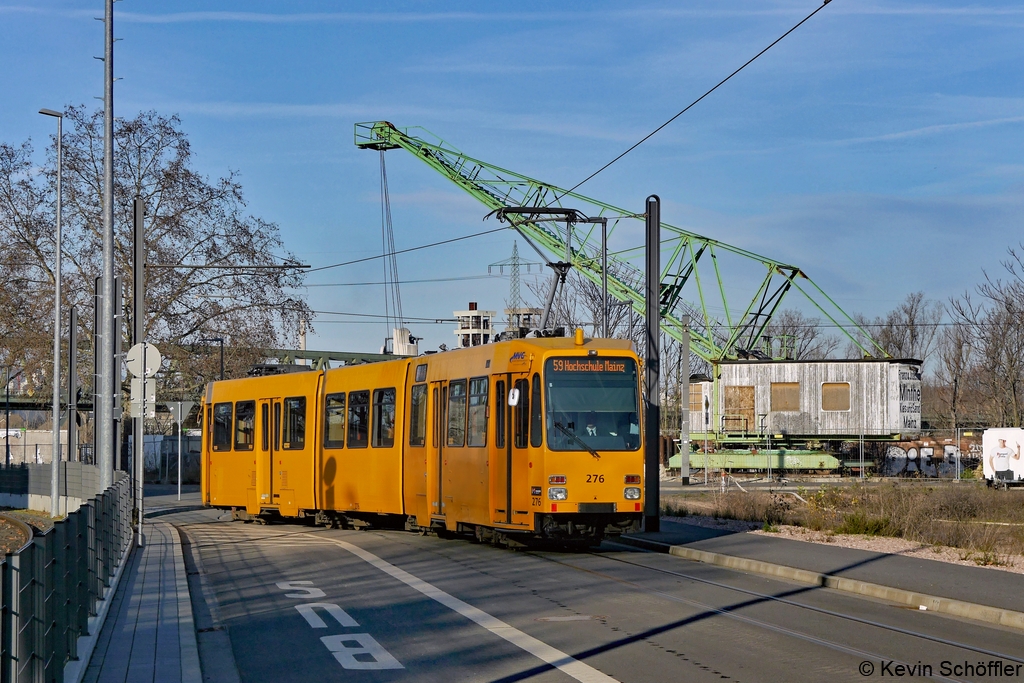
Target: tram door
(436,454)
(268,444)
(517,467)
(501,494)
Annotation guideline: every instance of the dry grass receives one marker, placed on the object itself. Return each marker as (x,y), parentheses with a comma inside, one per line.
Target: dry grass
(985,524)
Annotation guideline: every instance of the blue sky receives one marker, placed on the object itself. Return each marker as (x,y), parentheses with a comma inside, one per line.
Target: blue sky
(880,147)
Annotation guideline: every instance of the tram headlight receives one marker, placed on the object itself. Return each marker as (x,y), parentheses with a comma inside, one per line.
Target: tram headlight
(558,493)
(631,493)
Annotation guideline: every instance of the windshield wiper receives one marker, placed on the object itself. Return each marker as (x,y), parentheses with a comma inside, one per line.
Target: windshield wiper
(578,440)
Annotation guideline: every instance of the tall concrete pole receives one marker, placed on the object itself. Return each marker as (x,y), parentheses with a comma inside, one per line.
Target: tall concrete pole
(104,405)
(72,384)
(652,370)
(138,337)
(55,457)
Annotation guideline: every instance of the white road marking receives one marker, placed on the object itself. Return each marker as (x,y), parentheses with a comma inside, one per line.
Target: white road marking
(308,612)
(542,651)
(366,645)
(300,586)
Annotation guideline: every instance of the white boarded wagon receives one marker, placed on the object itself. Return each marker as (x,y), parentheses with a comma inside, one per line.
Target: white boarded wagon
(822,400)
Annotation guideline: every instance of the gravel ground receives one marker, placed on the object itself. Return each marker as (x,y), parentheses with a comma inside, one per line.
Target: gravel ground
(11,537)
(877,544)
(40,521)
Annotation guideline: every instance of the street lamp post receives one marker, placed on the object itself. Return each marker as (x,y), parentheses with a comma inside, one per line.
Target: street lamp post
(219,340)
(55,458)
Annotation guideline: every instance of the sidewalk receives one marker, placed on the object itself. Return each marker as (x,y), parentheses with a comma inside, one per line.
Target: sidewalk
(974,585)
(149,633)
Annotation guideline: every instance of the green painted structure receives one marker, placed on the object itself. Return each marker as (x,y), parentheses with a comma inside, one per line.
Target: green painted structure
(781,459)
(700,278)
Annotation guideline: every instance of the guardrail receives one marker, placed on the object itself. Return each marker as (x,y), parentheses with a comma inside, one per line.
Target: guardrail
(51,586)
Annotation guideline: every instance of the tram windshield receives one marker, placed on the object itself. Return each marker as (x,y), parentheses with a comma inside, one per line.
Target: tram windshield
(592,402)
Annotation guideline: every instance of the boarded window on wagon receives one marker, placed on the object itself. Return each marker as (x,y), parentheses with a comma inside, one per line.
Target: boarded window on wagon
(786,396)
(358,419)
(222,427)
(418,415)
(294,436)
(334,420)
(835,396)
(384,418)
(245,425)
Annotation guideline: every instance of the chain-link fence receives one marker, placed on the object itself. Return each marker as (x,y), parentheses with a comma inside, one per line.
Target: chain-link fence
(51,586)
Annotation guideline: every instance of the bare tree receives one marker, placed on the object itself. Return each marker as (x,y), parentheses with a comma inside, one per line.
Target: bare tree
(907,331)
(800,337)
(190,220)
(954,370)
(990,328)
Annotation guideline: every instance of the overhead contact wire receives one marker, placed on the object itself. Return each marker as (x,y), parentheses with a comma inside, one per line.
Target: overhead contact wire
(404,251)
(689,106)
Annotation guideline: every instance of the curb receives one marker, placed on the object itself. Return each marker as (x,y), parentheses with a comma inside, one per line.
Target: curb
(958,608)
(215,652)
(189,649)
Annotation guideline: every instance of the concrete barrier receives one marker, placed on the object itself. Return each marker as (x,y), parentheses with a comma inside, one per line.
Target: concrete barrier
(28,486)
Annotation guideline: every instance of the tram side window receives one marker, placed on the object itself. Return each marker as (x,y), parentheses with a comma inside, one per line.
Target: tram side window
(358,419)
(334,420)
(522,415)
(265,426)
(499,413)
(383,418)
(535,420)
(294,436)
(477,412)
(437,420)
(418,415)
(245,425)
(222,427)
(457,413)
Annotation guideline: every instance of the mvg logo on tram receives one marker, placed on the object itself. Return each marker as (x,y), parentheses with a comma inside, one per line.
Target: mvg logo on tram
(518,355)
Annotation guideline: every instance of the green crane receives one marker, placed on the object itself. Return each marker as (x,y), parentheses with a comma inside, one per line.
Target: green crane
(691,279)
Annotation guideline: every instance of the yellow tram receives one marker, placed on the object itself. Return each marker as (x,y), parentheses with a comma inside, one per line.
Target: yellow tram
(529,438)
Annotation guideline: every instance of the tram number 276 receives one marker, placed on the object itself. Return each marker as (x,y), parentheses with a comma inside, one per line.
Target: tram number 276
(595,478)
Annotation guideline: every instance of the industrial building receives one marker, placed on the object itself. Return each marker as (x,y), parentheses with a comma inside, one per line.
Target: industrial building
(473,326)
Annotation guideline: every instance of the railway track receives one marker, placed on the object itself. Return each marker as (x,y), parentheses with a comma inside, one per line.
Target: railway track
(796,622)
(766,597)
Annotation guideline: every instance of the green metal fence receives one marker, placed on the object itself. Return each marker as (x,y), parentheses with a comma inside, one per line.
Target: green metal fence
(51,586)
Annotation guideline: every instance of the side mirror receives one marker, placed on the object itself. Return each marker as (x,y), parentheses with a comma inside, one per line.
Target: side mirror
(513,397)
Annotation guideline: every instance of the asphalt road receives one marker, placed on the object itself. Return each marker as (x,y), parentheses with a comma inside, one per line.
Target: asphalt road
(395,606)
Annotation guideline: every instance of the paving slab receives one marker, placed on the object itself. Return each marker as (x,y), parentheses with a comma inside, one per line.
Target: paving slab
(149,633)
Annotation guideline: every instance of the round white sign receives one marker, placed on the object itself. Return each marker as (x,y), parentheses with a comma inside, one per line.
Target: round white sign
(134,360)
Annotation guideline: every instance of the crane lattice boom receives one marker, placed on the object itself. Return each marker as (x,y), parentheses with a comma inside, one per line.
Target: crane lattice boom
(692,281)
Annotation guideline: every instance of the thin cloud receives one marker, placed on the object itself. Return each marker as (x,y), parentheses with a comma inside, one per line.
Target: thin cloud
(335,17)
(931,10)
(483,68)
(935,130)
(70,13)
(574,128)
